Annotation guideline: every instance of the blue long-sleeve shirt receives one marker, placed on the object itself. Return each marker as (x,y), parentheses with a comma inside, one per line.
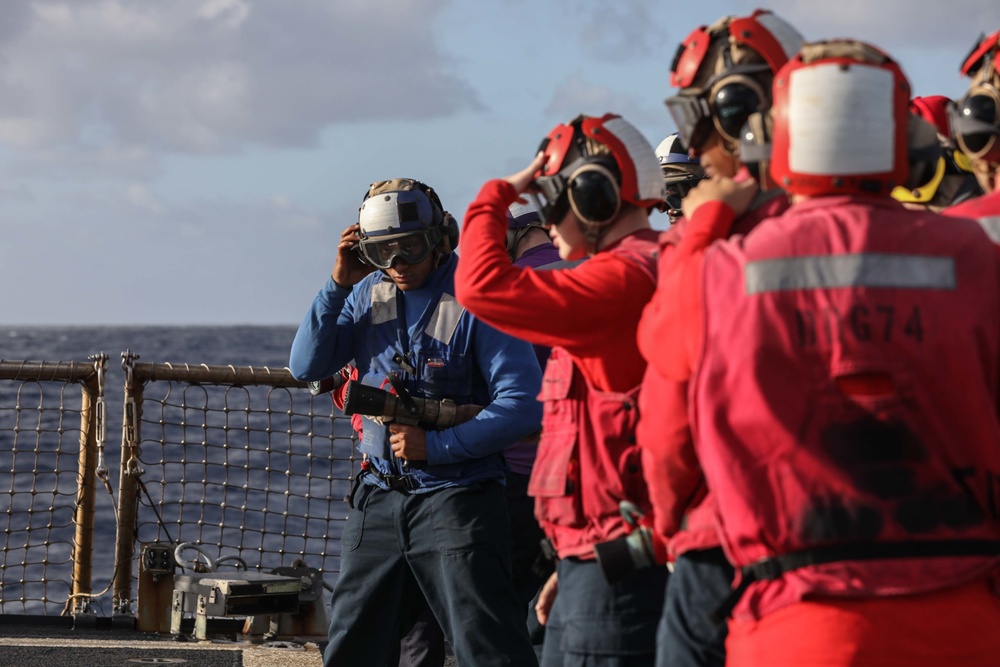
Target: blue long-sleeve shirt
(454,356)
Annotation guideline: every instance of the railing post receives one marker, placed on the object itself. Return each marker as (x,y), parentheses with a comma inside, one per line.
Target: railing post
(128,491)
(91,424)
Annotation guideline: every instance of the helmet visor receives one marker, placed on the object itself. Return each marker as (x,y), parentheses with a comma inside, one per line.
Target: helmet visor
(411,248)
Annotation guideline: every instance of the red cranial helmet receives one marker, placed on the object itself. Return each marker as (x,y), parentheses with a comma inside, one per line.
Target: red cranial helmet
(725,72)
(594,165)
(975,122)
(840,115)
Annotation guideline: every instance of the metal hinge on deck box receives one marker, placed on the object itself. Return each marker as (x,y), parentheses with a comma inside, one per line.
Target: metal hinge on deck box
(231,594)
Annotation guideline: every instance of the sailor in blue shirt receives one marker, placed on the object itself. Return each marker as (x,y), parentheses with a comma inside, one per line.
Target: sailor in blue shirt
(429,519)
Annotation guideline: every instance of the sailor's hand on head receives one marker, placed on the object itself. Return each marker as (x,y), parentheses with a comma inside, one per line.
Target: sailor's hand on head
(350,269)
(522,179)
(735,195)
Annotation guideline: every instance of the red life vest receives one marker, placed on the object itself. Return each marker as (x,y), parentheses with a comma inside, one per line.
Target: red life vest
(699,530)
(587,460)
(845,406)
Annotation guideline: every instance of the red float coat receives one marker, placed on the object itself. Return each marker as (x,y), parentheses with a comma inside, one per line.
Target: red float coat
(847,396)
(587,459)
(684,511)
(985,209)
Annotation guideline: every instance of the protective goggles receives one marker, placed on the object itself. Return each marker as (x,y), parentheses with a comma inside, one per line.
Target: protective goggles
(675,194)
(729,101)
(412,248)
(977,122)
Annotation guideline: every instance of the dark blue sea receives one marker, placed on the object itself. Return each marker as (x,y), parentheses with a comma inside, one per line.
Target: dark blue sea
(239,346)
(215,345)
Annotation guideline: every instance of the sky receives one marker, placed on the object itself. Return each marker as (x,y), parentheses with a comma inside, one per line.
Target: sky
(187,162)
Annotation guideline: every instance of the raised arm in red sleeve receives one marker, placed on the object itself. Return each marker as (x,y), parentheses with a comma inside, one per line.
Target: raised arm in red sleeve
(567,308)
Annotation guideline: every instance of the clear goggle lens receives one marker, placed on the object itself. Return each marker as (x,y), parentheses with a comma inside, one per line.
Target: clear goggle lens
(412,249)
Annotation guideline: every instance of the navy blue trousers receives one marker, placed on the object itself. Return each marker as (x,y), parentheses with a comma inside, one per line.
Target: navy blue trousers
(593,624)
(701,581)
(450,547)
(424,646)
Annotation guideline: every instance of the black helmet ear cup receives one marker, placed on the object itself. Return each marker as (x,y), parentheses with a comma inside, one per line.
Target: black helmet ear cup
(449,234)
(594,193)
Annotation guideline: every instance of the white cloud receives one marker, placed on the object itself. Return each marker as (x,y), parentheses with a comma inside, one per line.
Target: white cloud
(140,196)
(213,76)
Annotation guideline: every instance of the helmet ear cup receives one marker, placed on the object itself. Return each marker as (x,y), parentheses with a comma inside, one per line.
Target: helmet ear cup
(449,234)
(594,193)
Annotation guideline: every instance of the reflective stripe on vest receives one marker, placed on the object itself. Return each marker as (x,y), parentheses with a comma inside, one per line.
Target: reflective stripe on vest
(857,270)
(445,319)
(383,302)
(991,224)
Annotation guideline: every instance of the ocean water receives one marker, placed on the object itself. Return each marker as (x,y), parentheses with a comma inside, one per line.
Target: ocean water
(215,345)
(277,521)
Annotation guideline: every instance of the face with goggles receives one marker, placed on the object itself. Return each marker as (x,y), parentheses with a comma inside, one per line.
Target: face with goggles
(406,259)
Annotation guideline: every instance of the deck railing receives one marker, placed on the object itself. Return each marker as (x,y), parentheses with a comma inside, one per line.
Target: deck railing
(235,463)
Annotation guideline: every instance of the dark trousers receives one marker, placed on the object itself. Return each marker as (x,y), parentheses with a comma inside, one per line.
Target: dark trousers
(701,581)
(593,624)
(423,645)
(449,547)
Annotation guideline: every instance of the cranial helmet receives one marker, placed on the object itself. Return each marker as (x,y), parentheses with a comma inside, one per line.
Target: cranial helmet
(725,71)
(841,117)
(594,166)
(940,174)
(975,122)
(680,173)
(676,164)
(403,218)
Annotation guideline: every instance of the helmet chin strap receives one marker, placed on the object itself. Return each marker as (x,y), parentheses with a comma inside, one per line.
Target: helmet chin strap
(592,234)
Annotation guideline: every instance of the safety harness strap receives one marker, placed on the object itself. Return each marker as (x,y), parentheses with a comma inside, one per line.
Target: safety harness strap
(769,569)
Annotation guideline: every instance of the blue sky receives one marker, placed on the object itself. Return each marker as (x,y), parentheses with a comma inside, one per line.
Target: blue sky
(194,161)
